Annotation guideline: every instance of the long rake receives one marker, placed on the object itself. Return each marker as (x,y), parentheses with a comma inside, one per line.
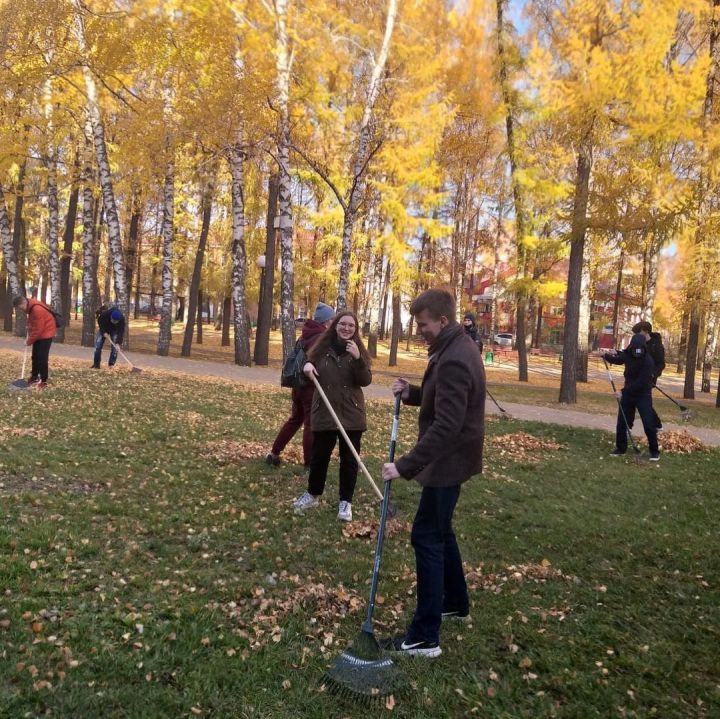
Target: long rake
(133,368)
(21,382)
(685,413)
(637,458)
(503,412)
(363,671)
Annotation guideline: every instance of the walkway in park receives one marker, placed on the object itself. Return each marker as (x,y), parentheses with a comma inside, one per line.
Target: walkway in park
(259,376)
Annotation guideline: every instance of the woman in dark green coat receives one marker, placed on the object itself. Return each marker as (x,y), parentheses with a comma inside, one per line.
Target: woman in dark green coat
(342,365)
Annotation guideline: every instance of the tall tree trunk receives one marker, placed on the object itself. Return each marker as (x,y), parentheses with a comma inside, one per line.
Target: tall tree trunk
(267,282)
(103,163)
(18,242)
(200,298)
(132,251)
(8,249)
(68,237)
(385,292)
(375,303)
(709,351)
(226,315)
(89,252)
(138,275)
(396,328)
(362,153)
(568,376)
(584,323)
(698,286)
(53,242)
(168,232)
(206,208)
(521,219)
(618,295)
(284,59)
(239,259)
(682,347)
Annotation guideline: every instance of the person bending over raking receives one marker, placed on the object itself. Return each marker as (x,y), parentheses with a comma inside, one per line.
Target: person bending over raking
(111,326)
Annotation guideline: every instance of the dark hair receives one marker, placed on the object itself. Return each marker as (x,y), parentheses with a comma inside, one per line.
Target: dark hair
(643,326)
(439,303)
(18,300)
(326,338)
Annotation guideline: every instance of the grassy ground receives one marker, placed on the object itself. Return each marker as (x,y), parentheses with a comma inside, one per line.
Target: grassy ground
(142,577)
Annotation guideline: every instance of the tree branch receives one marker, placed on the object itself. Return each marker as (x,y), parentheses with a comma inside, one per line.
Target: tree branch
(323,174)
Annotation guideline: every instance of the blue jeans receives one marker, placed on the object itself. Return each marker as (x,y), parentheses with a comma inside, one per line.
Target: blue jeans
(643,404)
(441,583)
(99,342)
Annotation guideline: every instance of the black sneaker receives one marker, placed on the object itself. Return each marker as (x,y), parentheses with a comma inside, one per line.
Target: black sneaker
(402,645)
(273,460)
(457,616)
(95,366)
(618,452)
(654,456)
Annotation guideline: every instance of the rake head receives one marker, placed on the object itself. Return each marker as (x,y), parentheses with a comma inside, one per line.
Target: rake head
(135,370)
(19,384)
(685,414)
(363,672)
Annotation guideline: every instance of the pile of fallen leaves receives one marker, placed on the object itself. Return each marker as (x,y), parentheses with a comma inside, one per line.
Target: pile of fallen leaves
(681,442)
(538,573)
(369,530)
(228,451)
(6,432)
(521,446)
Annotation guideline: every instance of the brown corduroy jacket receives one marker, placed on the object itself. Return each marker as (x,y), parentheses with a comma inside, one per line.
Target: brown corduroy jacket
(451,433)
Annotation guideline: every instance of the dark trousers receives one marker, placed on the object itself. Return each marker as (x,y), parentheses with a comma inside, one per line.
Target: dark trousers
(299,417)
(323,445)
(441,583)
(643,404)
(99,342)
(40,356)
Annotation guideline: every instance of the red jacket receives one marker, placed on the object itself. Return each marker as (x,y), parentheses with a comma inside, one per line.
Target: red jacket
(40,322)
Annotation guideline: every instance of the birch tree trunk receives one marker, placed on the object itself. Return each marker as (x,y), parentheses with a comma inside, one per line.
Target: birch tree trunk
(568,376)
(132,252)
(239,259)
(267,279)
(167,233)
(90,254)
(193,298)
(8,248)
(362,154)
(103,163)
(584,323)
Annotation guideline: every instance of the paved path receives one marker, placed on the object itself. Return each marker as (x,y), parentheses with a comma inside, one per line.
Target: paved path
(269,376)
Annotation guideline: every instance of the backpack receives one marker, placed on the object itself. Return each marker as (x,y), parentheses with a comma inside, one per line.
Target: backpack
(292,371)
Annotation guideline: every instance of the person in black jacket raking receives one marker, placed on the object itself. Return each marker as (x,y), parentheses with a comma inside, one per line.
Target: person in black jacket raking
(656,350)
(636,394)
(111,325)
(448,452)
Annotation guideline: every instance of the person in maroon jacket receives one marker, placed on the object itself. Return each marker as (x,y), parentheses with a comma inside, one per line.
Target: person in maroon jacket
(448,452)
(302,397)
(41,329)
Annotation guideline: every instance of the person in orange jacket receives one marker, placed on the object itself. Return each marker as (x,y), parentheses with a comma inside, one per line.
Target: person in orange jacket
(41,328)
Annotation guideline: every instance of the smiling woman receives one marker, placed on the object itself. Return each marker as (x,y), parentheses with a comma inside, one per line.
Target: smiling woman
(342,365)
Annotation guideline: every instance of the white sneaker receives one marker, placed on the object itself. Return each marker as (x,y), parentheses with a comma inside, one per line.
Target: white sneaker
(305,501)
(345,512)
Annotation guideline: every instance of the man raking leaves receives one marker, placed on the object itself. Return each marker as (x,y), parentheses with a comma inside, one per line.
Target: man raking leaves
(42,324)
(448,452)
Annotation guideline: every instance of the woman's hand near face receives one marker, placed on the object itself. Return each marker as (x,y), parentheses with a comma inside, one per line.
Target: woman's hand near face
(353,349)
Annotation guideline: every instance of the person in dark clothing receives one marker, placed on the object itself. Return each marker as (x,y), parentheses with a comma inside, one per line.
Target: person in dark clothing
(656,350)
(302,397)
(448,452)
(111,325)
(636,394)
(471,330)
(341,364)
(41,329)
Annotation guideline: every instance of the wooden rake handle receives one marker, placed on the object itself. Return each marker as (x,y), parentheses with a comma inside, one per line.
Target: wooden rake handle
(344,435)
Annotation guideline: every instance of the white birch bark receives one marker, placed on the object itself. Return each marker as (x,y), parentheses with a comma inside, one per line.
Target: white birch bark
(239,259)
(284,60)
(89,276)
(8,248)
(166,272)
(359,169)
(103,163)
(53,211)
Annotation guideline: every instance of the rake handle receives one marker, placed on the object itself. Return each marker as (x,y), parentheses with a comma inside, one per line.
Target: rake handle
(122,354)
(636,449)
(342,431)
(25,351)
(368,624)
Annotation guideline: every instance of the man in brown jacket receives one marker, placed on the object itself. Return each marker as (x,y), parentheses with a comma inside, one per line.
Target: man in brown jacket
(448,452)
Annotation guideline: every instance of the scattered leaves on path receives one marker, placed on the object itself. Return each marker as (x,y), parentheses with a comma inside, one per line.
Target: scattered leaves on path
(522,447)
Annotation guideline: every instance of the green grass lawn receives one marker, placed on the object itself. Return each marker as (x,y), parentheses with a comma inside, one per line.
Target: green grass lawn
(141,577)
